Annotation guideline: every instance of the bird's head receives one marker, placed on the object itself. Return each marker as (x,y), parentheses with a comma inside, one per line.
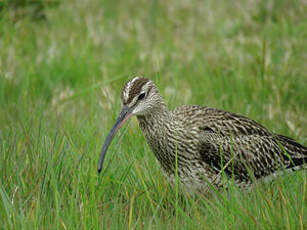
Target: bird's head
(140,97)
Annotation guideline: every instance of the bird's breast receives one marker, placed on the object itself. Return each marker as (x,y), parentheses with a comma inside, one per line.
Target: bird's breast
(167,142)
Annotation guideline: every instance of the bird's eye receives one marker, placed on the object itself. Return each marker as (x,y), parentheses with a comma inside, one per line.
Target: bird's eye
(141,96)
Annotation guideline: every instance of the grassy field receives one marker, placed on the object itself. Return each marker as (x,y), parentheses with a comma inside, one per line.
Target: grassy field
(60,82)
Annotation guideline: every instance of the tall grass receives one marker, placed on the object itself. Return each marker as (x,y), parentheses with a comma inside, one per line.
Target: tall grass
(60,81)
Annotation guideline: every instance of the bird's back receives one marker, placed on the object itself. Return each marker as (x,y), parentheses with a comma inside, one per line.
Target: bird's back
(219,121)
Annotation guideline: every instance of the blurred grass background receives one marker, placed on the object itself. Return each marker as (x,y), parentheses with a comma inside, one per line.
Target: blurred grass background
(62,66)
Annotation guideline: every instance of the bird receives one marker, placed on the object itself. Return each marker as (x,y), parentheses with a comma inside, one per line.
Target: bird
(202,146)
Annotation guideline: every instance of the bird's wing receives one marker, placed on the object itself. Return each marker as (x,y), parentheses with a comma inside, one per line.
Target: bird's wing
(245,145)
(242,156)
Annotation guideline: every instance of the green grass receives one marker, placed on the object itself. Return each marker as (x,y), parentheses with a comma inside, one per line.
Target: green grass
(60,82)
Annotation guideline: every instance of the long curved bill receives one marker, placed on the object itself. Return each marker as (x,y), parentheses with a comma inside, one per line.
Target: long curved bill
(124,115)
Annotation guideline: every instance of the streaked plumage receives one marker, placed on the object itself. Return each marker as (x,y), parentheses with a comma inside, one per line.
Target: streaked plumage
(206,140)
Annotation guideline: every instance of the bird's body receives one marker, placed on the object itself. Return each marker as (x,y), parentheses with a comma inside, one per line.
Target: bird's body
(206,139)
(205,142)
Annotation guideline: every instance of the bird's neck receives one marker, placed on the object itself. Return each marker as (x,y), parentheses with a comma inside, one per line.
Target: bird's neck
(155,127)
(156,118)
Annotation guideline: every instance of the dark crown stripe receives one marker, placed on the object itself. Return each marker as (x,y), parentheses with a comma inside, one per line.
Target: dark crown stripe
(136,88)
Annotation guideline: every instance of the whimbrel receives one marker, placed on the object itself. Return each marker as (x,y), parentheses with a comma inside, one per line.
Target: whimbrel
(205,141)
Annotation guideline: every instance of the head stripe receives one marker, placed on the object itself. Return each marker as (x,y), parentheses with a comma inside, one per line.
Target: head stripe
(133,88)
